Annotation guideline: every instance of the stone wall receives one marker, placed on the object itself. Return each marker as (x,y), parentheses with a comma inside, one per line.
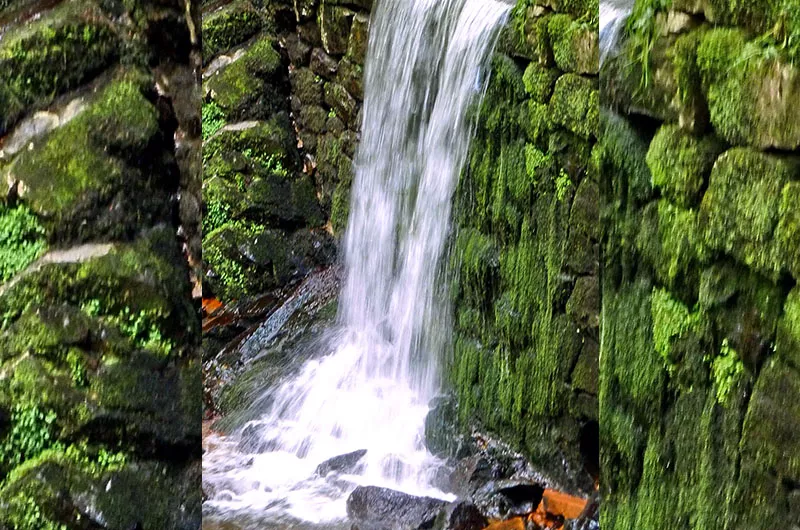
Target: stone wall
(283,94)
(525,259)
(99,374)
(699,387)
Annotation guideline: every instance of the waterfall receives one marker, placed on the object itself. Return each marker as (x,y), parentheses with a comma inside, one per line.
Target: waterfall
(613,14)
(427,62)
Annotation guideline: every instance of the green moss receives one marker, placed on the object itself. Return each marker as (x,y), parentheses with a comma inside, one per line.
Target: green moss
(680,163)
(32,431)
(229,26)
(788,231)
(81,161)
(575,105)
(787,344)
(213,119)
(740,211)
(340,208)
(21,240)
(740,80)
(575,44)
(727,370)
(539,82)
(33,56)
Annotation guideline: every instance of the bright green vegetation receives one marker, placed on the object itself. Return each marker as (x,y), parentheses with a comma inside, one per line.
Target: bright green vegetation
(21,240)
(229,26)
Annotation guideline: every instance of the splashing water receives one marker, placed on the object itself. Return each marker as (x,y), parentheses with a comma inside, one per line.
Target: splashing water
(613,14)
(372,390)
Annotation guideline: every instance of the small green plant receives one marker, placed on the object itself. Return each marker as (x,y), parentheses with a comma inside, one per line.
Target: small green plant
(22,240)
(213,119)
(217,214)
(142,327)
(331,113)
(32,431)
(563,184)
(726,369)
(271,163)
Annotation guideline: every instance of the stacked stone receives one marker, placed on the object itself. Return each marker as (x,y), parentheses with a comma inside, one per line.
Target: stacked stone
(327,55)
(525,256)
(99,376)
(270,158)
(700,381)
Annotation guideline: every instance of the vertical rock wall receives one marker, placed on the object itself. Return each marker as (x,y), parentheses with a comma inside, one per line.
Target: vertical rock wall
(699,386)
(525,260)
(99,373)
(283,95)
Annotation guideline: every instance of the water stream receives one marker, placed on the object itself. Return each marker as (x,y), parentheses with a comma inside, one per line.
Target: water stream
(427,63)
(613,14)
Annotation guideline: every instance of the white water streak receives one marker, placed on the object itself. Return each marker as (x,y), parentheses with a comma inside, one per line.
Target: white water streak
(372,391)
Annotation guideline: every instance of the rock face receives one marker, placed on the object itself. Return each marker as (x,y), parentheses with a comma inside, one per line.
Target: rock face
(698,364)
(99,358)
(346,463)
(374,508)
(526,251)
(292,73)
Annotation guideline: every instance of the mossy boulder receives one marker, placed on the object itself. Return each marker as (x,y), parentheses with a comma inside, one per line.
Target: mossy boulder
(741,210)
(22,240)
(575,45)
(576,105)
(335,22)
(91,162)
(359,37)
(337,97)
(250,88)
(229,26)
(754,103)
(680,163)
(270,143)
(788,340)
(33,55)
(540,81)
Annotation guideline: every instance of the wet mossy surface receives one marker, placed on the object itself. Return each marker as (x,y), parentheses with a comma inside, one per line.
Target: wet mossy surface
(698,366)
(99,386)
(525,258)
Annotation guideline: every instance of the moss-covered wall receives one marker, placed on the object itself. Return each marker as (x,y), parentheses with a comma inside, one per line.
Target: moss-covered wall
(524,259)
(699,380)
(283,94)
(99,375)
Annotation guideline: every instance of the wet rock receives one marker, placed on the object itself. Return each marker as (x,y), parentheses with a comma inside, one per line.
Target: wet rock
(341,101)
(306,86)
(374,508)
(359,36)
(229,26)
(323,64)
(461,516)
(299,51)
(507,498)
(334,23)
(346,463)
(351,76)
(313,118)
(583,306)
(443,437)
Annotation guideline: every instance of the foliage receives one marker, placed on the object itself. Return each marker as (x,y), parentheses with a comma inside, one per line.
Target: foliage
(21,240)
(213,119)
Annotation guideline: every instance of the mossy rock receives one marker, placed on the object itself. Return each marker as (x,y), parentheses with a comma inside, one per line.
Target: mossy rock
(306,86)
(575,45)
(752,95)
(680,163)
(271,143)
(540,81)
(245,259)
(576,105)
(342,103)
(741,210)
(335,23)
(787,345)
(34,55)
(22,240)
(57,491)
(138,289)
(359,36)
(82,165)
(576,8)
(229,26)
(251,88)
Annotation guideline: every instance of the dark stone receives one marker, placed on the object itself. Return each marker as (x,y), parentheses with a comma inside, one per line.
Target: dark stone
(334,23)
(506,498)
(323,64)
(351,76)
(310,33)
(374,508)
(306,86)
(345,463)
(443,437)
(341,101)
(461,516)
(298,50)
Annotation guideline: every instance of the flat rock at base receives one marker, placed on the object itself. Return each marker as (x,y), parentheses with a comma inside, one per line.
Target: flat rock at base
(341,464)
(374,508)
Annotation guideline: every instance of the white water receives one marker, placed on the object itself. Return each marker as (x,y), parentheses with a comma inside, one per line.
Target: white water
(613,14)
(427,62)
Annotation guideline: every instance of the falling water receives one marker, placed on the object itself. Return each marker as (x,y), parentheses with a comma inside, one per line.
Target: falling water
(427,63)
(613,14)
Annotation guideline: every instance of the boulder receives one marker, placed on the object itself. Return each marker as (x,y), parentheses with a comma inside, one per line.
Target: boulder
(374,508)
(346,463)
